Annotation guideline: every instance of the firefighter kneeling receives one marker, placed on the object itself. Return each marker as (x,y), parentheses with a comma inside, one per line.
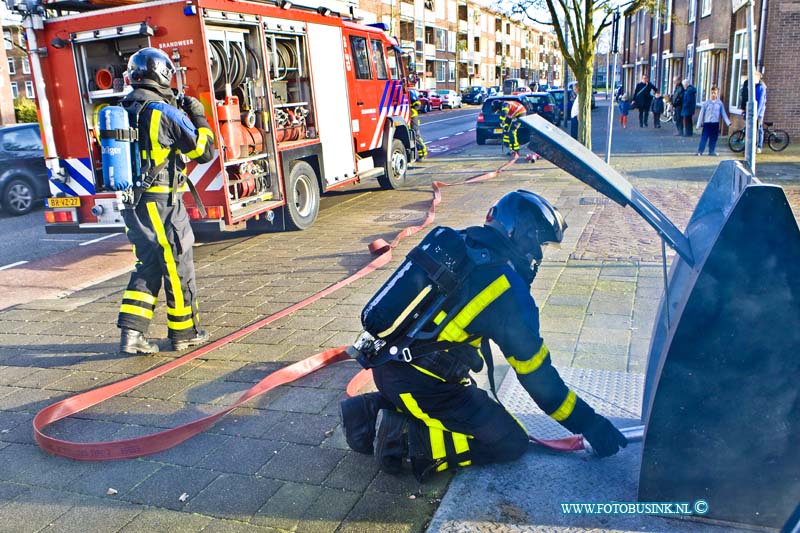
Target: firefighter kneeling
(156,220)
(428,409)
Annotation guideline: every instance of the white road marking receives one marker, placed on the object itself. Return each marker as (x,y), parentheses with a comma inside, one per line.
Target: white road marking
(443,138)
(472,129)
(459,133)
(99,239)
(12,265)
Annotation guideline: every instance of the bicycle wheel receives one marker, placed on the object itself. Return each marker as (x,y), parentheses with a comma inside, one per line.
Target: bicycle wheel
(736,141)
(778,140)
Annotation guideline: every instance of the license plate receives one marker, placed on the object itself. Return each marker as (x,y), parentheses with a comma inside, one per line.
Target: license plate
(73,201)
(498,130)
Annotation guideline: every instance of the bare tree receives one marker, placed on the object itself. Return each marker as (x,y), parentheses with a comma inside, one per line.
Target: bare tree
(578,25)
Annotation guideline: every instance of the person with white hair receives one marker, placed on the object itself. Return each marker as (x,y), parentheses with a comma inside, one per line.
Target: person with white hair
(688,106)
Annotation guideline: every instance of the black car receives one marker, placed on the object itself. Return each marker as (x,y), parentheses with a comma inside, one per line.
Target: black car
(543,104)
(474,95)
(23,174)
(488,123)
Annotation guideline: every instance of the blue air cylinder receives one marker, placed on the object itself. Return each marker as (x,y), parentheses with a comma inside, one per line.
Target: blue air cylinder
(116,148)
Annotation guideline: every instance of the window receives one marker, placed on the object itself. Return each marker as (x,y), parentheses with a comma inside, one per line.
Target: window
(395,60)
(360,57)
(689,62)
(26,66)
(451,42)
(22,139)
(21,38)
(703,75)
(640,25)
(380,62)
(654,20)
(441,71)
(667,25)
(706,8)
(692,10)
(29,90)
(440,39)
(738,69)
(12,66)
(451,66)
(7,39)
(653,66)
(14,90)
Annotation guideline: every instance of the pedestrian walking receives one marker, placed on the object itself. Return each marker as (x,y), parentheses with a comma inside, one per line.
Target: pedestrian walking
(624,108)
(157,223)
(711,112)
(643,98)
(657,107)
(677,103)
(428,409)
(687,107)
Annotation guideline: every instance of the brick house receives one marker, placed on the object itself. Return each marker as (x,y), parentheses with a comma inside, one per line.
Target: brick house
(703,41)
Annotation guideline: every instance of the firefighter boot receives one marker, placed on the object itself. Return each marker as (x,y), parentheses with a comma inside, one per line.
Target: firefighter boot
(359,415)
(179,345)
(134,342)
(391,441)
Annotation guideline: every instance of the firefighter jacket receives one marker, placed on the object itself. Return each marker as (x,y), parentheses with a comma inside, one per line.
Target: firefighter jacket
(512,109)
(500,307)
(166,134)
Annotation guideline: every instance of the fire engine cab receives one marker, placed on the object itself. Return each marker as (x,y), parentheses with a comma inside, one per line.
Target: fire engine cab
(302,101)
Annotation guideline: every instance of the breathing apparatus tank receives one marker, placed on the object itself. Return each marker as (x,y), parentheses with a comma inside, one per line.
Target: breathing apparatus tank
(117,141)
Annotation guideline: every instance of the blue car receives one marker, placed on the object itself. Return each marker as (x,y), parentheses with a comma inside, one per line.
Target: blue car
(23,174)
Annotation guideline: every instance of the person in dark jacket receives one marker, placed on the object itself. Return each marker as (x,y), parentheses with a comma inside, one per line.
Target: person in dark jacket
(158,224)
(657,107)
(428,409)
(687,107)
(642,98)
(677,103)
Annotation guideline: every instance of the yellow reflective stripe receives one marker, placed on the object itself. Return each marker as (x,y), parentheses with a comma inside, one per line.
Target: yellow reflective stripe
(179,312)
(136,310)
(166,188)
(185,324)
(532,364)
(465,463)
(460,443)
(566,408)
(140,297)
(402,316)
(158,152)
(428,372)
(203,136)
(413,407)
(169,259)
(442,467)
(437,443)
(454,330)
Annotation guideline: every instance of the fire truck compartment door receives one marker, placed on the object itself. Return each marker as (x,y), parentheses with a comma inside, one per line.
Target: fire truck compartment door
(332,102)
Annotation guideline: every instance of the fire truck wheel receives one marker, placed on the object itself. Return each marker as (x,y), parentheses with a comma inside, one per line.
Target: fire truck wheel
(302,202)
(396,166)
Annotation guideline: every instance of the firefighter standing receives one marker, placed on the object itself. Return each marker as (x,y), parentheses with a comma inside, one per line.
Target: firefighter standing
(442,423)
(422,150)
(158,224)
(510,112)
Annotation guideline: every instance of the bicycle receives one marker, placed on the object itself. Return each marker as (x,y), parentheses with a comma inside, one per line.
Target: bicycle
(777,140)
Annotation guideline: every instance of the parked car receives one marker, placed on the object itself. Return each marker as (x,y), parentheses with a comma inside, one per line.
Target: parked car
(474,95)
(23,174)
(450,98)
(558,97)
(487,125)
(430,100)
(543,104)
(594,104)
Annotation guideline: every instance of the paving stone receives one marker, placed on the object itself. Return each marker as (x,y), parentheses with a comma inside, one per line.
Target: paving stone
(355,472)
(378,511)
(234,497)
(29,400)
(165,487)
(248,422)
(304,400)
(302,464)
(95,515)
(12,374)
(301,428)
(189,452)
(16,459)
(162,388)
(229,526)
(287,506)
(121,476)
(328,511)
(35,509)
(242,456)
(9,491)
(151,520)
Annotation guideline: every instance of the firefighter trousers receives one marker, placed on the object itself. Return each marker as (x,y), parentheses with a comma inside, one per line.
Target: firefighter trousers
(162,240)
(511,133)
(458,424)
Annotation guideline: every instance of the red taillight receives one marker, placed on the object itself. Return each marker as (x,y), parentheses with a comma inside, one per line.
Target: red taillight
(547,108)
(480,117)
(212,211)
(54,217)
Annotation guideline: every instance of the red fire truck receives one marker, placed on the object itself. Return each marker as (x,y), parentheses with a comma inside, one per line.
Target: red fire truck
(302,101)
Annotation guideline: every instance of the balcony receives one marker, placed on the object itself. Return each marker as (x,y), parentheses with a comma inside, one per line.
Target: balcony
(463,26)
(407,10)
(430,50)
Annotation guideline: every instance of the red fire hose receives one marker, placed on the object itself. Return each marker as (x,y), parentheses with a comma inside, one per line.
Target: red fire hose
(156,442)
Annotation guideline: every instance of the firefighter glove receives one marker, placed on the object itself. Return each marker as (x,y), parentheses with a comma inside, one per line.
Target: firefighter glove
(606,440)
(193,107)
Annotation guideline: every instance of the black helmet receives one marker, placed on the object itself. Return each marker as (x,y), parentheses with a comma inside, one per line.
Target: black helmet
(497,105)
(151,67)
(528,220)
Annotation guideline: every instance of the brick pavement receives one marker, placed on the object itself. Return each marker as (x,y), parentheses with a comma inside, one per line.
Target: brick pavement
(280,463)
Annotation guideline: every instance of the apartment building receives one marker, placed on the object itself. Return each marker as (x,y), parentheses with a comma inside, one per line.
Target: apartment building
(457,43)
(704,42)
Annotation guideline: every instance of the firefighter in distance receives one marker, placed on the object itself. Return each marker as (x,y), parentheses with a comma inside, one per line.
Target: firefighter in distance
(429,410)
(157,222)
(510,112)
(416,105)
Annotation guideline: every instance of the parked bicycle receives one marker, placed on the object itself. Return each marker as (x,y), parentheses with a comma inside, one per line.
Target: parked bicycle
(778,140)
